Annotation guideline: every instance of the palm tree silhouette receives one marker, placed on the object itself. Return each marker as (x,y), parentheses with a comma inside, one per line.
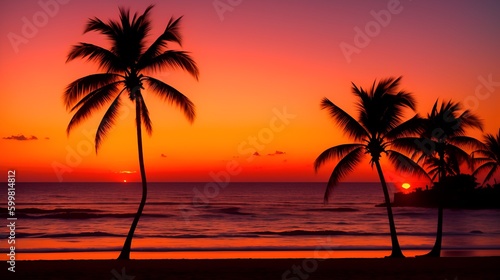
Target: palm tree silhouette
(440,146)
(380,120)
(124,66)
(451,165)
(489,156)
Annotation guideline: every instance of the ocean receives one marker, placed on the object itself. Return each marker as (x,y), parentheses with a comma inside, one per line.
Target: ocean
(191,220)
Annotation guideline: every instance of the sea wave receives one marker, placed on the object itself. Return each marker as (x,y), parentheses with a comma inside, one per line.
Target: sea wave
(338,209)
(69,235)
(73,214)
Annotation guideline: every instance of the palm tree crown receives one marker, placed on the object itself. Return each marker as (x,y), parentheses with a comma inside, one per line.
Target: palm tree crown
(379,122)
(125,64)
(446,127)
(489,156)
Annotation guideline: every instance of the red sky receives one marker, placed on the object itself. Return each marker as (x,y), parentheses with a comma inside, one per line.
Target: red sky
(264,69)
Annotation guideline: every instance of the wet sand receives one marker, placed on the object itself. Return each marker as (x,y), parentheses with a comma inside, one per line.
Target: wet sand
(291,269)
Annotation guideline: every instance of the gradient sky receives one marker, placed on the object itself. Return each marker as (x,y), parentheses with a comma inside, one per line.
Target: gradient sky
(259,60)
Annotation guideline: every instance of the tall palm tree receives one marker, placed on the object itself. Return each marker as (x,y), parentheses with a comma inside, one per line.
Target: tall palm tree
(124,67)
(442,143)
(379,121)
(489,156)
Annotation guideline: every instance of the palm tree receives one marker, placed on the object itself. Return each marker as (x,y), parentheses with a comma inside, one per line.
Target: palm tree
(489,159)
(441,146)
(125,65)
(380,120)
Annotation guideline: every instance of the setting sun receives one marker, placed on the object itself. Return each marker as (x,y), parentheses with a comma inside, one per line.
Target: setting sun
(405,186)
(124,181)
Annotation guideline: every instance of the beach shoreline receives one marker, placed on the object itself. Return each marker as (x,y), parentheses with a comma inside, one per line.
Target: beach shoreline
(368,268)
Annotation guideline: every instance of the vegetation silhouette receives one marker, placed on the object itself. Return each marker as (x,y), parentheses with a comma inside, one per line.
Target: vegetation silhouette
(124,66)
(381,110)
(440,148)
(488,156)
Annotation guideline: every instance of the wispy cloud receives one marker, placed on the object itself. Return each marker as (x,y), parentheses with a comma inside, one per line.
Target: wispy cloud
(163,155)
(256,154)
(277,153)
(126,172)
(20,137)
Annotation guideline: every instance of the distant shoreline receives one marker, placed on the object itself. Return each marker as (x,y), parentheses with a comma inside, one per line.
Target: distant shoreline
(482,198)
(374,268)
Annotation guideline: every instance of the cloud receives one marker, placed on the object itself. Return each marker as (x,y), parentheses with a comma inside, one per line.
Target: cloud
(256,154)
(163,155)
(20,137)
(126,172)
(47,138)
(277,153)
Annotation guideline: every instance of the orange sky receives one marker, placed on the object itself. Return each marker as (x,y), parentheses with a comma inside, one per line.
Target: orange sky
(258,62)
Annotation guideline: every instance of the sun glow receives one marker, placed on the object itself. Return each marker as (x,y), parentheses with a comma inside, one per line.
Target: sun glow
(124,181)
(405,186)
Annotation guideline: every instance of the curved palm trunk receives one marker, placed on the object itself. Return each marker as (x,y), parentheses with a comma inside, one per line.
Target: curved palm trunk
(396,249)
(125,253)
(436,249)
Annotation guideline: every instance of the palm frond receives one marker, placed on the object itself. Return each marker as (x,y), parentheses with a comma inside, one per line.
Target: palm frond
(146,121)
(456,153)
(347,123)
(466,142)
(171,59)
(334,152)
(490,174)
(469,120)
(91,103)
(490,152)
(405,164)
(172,95)
(104,58)
(342,169)
(97,25)
(492,146)
(411,127)
(171,34)
(107,121)
(82,86)
(91,94)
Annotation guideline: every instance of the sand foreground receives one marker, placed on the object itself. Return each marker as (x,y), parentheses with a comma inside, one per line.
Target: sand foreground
(286,269)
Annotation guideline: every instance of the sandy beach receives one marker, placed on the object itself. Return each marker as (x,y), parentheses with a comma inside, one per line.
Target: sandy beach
(292,269)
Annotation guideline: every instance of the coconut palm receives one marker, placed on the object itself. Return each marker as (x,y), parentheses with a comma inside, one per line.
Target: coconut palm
(441,147)
(488,156)
(125,65)
(379,121)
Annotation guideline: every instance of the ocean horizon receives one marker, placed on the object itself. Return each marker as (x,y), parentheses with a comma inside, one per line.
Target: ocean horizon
(90,220)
